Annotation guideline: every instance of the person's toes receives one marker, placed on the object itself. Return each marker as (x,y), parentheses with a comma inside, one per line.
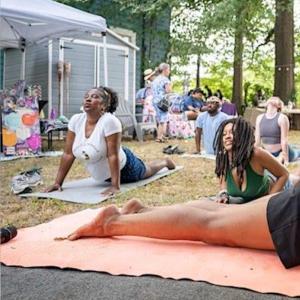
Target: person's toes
(132,206)
(73,237)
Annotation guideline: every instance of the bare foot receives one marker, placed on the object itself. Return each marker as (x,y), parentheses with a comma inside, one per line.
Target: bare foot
(96,228)
(170,163)
(133,206)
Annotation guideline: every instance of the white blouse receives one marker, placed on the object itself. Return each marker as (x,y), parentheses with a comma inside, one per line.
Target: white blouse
(92,151)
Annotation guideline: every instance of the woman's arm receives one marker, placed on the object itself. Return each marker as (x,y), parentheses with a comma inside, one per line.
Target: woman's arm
(66,162)
(198,133)
(168,88)
(113,143)
(284,125)
(265,161)
(257,131)
(222,196)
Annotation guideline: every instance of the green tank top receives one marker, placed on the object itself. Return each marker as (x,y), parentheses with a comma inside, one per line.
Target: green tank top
(257,185)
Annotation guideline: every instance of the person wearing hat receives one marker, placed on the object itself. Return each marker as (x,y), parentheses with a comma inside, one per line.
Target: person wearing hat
(149,75)
(208,124)
(144,97)
(271,131)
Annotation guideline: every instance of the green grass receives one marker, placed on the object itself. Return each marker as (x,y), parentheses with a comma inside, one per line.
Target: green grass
(195,180)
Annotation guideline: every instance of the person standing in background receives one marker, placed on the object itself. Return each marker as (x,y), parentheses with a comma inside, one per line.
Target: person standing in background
(161,86)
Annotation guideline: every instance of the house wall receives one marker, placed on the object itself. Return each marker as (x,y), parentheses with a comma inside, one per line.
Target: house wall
(12,67)
(87,69)
(152,34)
(1,68)
(36,67)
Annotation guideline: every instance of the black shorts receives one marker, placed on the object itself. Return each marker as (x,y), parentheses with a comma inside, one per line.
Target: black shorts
(283,214)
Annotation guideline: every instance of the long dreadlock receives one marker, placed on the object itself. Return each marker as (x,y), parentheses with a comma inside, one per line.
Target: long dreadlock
(242,148)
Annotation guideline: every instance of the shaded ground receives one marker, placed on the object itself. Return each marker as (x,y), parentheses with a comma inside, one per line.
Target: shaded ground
(50,283)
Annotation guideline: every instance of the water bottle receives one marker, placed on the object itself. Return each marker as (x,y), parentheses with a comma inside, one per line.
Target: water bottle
(8,233)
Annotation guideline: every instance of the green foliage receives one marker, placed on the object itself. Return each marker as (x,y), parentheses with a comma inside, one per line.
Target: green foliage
(80,4)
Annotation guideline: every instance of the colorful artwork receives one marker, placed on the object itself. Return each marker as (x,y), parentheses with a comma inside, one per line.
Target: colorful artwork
(20,119)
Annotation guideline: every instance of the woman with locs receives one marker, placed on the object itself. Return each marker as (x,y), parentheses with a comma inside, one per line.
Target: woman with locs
(247,172)
(94,137)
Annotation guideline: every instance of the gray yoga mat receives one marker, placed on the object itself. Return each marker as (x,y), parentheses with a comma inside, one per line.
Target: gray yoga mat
(202,155)
(88,191)
(42,154)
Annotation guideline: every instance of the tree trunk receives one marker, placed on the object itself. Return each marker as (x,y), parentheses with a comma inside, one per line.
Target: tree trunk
(237,90)
(198,71)
(284,50)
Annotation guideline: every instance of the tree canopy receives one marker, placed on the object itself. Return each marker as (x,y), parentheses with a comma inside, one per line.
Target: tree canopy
(233,40)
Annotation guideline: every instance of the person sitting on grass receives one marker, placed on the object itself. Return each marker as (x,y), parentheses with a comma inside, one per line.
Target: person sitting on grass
(246,171)
(194,104)
(271,131)
(208,123)
(269,223)
(94,137)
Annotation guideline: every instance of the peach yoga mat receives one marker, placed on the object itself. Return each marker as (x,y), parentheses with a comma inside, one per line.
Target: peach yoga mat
(256,270)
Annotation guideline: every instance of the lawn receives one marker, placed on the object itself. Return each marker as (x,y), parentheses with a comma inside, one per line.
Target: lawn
(195,180)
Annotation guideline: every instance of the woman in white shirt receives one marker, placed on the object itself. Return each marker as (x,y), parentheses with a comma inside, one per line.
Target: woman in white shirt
(94,137)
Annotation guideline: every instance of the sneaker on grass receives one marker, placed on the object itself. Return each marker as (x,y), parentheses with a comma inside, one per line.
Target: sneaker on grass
(25,180)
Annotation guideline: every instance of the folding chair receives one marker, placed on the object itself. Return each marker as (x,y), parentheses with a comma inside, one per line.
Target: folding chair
(129,121)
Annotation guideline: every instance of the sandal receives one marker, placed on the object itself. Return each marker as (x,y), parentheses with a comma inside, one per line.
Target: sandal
(166,148)
(178,151)
(170,150)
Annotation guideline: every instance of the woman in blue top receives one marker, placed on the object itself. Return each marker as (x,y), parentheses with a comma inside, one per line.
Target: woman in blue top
(160,87)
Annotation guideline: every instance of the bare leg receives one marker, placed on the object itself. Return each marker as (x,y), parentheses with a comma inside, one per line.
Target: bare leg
(161,130)
(205,204)
(234,225)
(191,115)
(154,166)
(135,206)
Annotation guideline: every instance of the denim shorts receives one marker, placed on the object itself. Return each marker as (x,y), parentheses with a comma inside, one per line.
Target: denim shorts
(134,169)
(283,215)
(293,153)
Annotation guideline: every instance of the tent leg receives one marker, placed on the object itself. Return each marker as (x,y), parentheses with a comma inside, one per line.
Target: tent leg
(105,59)
(22,74)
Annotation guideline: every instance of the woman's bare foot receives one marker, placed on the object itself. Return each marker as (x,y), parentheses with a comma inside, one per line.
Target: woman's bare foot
(170,163)
(96,228)
(133,206)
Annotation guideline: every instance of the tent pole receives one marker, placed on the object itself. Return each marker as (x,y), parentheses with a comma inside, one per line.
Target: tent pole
(23,54)
(105,59)
(50,48)
(23,57)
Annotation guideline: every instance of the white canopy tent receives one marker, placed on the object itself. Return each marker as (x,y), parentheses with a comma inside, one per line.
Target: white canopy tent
(34,21)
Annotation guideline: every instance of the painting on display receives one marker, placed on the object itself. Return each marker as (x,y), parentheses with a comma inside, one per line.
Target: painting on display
(20,120)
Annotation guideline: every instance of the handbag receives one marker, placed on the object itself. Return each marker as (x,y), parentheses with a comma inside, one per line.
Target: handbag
(163,104)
